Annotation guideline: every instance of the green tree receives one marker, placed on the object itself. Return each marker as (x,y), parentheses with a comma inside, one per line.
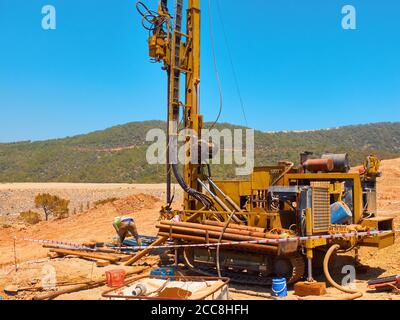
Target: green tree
(52,205)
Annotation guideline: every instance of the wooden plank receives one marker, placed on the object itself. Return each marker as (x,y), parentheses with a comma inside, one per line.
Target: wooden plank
(96,250)
(102,264)
(146,251)
(83,254)
(81,287)
(54,255)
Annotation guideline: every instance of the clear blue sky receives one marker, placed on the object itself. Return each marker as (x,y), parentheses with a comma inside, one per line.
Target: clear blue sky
(297,68)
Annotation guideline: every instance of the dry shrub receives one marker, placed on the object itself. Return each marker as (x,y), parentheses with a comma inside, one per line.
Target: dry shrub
(30,217)
(52,205)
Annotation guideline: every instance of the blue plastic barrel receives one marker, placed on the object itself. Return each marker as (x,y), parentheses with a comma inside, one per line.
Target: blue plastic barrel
(279,287)
(340,213)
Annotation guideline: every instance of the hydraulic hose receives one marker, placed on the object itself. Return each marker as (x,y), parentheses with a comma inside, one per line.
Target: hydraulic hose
(355,293)
(204,200)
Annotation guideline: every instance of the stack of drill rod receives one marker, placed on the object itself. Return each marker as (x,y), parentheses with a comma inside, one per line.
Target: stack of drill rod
(383,284)
(210,232)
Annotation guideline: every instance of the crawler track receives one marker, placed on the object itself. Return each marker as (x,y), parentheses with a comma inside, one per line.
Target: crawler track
(296,261)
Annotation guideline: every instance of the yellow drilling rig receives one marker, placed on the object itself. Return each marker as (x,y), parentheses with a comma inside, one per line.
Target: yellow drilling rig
(317,197)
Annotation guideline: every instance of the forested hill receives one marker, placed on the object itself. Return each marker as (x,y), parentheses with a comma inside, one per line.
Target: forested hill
(118,154)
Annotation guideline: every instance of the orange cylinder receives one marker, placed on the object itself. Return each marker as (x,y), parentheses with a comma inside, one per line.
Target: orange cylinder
(201,232)
(319,165)
(247,246)
(234,226)
(219,229)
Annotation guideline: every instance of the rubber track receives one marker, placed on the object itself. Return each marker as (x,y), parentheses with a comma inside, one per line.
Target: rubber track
(297,262)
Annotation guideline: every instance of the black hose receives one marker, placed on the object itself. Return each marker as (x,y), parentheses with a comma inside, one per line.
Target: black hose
(202,198)
(152,18)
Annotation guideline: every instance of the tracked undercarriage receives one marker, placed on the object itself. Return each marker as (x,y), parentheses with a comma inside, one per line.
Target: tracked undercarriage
(240,267)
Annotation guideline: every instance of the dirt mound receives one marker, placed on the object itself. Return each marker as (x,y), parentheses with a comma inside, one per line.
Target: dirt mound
(134,203)
(389,188)
(95,224)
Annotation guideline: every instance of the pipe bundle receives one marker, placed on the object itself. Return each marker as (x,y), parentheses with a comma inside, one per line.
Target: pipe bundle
(210,232)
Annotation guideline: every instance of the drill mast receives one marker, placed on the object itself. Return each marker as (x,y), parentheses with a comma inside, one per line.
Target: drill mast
(179,51)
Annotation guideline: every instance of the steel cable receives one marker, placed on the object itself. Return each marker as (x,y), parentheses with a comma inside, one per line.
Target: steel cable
(215,66)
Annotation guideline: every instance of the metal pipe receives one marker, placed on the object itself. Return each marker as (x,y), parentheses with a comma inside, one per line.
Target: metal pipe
(219,229)
(146,251)
(176,257)
(231,217)
(234,226)
(212,234)
(226,197)
(221,236)
(214,196)
(309,267)
(156,243)
(309,244)
(248,246)
(218,200)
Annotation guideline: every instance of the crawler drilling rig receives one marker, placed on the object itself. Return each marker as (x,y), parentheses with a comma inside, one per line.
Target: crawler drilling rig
(317,197)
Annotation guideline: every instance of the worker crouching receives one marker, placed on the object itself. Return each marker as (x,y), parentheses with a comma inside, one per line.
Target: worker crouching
(125,226)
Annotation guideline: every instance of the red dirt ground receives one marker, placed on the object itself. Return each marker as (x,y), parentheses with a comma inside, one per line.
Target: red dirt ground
(95,224)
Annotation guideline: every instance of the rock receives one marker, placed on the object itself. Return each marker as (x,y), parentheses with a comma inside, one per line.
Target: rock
(11,290)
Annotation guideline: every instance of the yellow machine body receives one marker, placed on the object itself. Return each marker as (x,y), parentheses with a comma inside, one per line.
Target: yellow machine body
(257,215)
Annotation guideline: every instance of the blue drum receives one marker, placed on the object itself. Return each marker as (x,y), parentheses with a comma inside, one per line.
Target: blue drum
(340,213)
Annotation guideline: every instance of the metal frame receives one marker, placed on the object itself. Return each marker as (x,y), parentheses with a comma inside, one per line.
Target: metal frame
(225,281)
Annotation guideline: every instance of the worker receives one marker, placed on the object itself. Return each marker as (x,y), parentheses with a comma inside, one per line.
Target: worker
(124,226)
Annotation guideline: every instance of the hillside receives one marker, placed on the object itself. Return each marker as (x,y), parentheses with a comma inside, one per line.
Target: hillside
(118,154)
